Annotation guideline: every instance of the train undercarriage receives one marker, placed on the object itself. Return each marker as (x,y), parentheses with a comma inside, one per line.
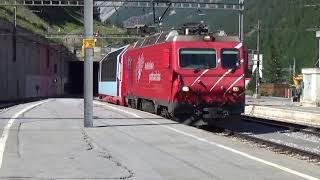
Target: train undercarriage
(203,114)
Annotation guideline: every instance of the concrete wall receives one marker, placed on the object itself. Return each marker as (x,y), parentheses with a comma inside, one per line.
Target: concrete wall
(278,90)
(311,90)
(33,73)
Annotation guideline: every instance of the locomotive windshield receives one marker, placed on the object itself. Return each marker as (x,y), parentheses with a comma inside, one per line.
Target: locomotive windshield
(197,58)
(230,58)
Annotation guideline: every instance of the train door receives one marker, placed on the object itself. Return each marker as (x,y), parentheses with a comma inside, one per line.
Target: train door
(168,57)
(130,75)
(118,76)
(120,71)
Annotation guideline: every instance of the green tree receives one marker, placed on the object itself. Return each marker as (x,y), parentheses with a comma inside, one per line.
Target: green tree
(273,67)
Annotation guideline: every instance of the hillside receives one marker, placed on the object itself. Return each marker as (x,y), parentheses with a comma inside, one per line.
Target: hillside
(57,20)
(284,28)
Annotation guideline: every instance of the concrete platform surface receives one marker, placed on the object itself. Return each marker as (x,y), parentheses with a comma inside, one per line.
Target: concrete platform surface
(46,140)
(282,109)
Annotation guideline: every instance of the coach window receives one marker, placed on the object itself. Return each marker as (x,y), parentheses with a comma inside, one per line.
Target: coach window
(197,58)
(109,66)
(230,58)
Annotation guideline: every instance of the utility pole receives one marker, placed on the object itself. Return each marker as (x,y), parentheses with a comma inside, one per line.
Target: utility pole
(294,67)
(317,30)
(258,63)
(14,35)
(318,36)
(88,44)
(241,20)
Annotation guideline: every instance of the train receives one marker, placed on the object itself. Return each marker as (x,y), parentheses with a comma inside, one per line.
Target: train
(177,74)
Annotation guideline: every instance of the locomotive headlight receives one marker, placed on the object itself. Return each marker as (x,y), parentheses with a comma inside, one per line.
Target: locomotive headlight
(235,89)
(185,89)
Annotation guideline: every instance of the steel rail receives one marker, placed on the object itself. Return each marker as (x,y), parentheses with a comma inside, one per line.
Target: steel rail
(291,126)
(275,145)
(278,146)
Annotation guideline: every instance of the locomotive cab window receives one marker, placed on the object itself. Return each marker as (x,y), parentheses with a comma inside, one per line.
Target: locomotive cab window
(230,58)
(197,58)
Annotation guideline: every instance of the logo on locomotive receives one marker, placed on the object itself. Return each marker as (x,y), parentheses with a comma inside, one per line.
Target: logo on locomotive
(140,64)
(155,76)
(149,65)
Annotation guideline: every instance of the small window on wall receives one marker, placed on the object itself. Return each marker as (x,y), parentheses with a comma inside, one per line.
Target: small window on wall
(48,58)
(55,68)
(230,58)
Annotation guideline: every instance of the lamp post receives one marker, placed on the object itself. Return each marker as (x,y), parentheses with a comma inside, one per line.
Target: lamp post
(88,63)
(318,37)
(257,95)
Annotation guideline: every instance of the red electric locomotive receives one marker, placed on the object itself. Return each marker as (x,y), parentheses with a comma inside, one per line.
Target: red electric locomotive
(174,74)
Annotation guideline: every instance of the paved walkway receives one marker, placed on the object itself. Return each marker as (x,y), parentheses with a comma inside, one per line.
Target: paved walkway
(47,141)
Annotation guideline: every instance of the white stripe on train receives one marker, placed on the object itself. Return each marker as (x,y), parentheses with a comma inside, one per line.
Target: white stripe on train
(237,80)
(203,73)
(226,73)
(238,46)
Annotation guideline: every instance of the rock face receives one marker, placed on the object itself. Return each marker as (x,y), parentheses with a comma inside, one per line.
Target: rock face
(30,66)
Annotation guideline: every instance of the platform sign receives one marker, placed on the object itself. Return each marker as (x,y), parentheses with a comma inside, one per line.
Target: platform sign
(82,52)
(254,60)
(88,43)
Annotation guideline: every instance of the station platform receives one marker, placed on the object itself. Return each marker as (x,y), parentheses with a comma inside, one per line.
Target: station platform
(46,140)
(282,109)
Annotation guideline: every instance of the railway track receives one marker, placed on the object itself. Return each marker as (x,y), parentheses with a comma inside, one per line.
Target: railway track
(298,140)
(293,127)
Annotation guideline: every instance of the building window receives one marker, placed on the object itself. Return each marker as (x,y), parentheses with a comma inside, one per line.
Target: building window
(48,58)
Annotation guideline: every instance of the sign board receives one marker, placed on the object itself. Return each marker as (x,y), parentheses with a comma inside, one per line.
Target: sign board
(253,63)
(82,51)
(88,43)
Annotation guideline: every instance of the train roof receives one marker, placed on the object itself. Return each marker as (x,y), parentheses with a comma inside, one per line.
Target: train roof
(174,35)
(114,53)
